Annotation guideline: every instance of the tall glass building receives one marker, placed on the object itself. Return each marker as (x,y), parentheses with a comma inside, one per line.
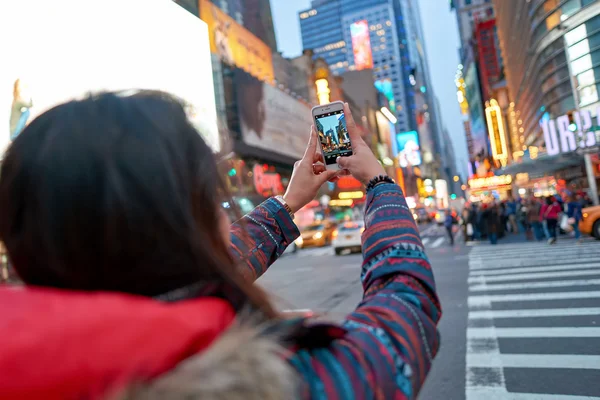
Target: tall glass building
(552,58)
(384,35)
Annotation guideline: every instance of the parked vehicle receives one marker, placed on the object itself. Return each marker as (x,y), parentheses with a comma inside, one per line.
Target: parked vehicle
(348,237)
(590,224)
(319,234)
(440,217)
(422,216)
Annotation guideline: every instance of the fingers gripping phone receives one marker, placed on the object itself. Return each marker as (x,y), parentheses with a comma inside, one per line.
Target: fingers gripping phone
(334,139)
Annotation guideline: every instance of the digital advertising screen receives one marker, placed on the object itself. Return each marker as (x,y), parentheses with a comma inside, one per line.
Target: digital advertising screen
(67,49)
(361,45)
(409,149)
(384,86)
(333,135)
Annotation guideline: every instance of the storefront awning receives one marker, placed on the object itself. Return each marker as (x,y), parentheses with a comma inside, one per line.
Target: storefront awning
(544,164)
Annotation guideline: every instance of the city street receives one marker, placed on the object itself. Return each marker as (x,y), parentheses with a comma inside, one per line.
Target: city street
(521,320)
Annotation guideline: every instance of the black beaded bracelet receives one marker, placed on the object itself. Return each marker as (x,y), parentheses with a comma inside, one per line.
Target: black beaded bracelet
(377,180)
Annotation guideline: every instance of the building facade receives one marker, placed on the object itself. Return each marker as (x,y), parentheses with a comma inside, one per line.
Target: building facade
(552,53)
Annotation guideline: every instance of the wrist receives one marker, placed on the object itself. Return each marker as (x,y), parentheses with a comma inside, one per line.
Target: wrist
(289,201)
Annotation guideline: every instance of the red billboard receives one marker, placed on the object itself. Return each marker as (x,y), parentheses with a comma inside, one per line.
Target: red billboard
(361,45)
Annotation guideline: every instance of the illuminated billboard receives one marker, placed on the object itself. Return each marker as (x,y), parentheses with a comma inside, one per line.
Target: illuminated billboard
(495,123)
(361,45)
(271,119)
(409,149)
(384,86)
(67,49)
(236,45)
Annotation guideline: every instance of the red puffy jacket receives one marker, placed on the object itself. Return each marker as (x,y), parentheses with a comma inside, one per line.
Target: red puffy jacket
(58,345)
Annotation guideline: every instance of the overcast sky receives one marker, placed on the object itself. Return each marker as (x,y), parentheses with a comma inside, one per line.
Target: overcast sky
(441,39)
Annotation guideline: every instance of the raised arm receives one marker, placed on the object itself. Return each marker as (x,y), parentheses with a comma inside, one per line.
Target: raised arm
(261,236)
(391,338)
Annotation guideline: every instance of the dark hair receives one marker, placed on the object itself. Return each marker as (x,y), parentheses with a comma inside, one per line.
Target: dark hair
(116,193)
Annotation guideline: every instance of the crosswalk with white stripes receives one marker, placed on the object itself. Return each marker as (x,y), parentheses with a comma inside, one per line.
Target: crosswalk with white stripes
(534,322)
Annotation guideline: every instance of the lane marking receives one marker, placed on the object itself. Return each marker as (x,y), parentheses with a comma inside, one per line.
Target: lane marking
(534,285)
(480,301)
(438,242)
(532,252)
(532,276)
(483,360)
(516,270)
(544,312)
(498,393)
(513,263)
(570,332)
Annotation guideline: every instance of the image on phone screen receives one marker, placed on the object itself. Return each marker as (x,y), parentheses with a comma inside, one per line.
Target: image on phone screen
(333,134)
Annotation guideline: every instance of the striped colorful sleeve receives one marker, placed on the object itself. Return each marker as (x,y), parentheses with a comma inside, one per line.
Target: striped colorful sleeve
(261,236)
(392,337)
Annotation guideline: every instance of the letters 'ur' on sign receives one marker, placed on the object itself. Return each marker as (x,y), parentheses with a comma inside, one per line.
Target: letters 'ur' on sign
(564,135)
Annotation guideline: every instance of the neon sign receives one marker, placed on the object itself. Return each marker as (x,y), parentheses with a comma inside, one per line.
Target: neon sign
(490,182)
(495,124)
(323,91)
(266,183)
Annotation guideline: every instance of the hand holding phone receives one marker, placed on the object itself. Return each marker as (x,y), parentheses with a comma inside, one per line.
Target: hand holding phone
(353,154)
(332,130)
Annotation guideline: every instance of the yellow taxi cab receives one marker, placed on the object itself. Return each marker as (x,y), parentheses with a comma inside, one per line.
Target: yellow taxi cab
(590,224)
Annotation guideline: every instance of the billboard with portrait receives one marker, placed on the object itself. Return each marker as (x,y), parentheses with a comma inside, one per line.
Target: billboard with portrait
(235,45)
(271,119)
(361,45)
(66,49)
(409,149)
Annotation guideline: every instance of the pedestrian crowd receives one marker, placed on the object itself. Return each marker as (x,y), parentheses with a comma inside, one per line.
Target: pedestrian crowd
(539,218)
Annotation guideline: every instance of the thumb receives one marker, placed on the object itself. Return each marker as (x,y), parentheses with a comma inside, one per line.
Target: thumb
(326,175)
(345,162)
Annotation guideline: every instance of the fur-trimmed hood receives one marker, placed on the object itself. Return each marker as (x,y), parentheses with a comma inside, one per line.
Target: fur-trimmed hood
(245,363)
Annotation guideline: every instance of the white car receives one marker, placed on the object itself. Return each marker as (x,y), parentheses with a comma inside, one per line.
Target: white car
(348,237)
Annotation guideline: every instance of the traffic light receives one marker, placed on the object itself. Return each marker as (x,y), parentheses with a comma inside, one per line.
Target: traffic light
(453,196)
(232,172)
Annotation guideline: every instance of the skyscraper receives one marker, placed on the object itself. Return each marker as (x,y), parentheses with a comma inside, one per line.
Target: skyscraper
(254,15)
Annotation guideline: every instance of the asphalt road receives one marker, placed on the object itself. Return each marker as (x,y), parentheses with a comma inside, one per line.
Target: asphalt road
(521,320)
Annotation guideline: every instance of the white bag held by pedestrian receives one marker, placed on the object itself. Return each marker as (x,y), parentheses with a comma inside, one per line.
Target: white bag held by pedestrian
(564,223)
(470,230)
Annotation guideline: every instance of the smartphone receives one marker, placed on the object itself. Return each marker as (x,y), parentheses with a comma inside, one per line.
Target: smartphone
(334,140)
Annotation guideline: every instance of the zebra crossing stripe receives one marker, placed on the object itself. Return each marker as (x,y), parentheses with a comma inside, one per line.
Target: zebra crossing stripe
(513,263)
(482,360)
(479,301)
(541,275)
(534,313)
(500,393)
(494,333)
(534,285)
(438,242)
(545,268)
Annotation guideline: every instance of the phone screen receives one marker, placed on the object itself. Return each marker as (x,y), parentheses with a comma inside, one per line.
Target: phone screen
(333,135)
